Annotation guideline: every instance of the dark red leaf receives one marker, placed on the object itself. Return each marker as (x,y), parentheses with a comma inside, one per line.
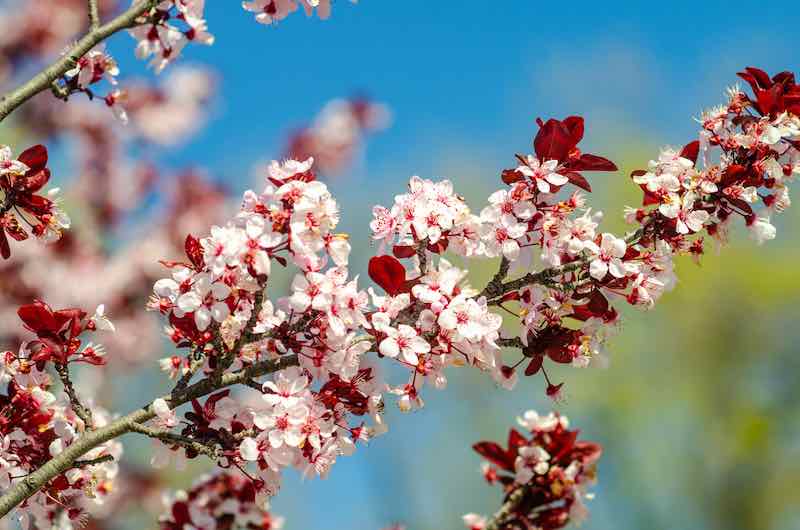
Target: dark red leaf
(403,251)
(387,272)
(575,126)
(194,251)
(510,176)
(5,249)
(494,454)
(37,317)
(535,365)
(553,141)
(515,441)
(691,150)
(34,157)
(589,162)
(440,246)
(579,180)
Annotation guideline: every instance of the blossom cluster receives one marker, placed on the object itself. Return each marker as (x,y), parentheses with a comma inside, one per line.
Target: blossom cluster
(170,25)
(22,206)
(544,475)
(215,307)
(220,500)
(273,11)
(38,422)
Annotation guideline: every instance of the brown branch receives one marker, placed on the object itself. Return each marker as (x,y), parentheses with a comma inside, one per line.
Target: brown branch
(171,438)
(506,510)
(94,15)
(93,461)
(83,412)
(44,79)
(66,459)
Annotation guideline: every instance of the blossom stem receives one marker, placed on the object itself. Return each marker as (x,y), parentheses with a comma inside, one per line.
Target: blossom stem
(501,516)
(44,79)
(83,412)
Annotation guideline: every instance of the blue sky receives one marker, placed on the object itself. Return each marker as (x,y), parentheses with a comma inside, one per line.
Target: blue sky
(465,81)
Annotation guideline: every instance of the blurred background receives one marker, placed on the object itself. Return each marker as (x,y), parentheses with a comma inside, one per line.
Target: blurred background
(699,410)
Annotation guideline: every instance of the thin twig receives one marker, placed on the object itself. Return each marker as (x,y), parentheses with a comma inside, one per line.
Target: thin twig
(44,79)
(502,515)
(93,461)
(83,412)
(94,15)
(171,438)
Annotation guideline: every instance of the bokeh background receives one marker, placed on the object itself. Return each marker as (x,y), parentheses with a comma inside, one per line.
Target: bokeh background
(699,409)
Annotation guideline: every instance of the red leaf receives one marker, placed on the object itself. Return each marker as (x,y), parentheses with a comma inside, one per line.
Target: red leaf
(194,251)
(387,272)
(515,441)
(440,246)
(37,317)
(691,150)
(534,366)
(554,141)
(589,162)
(5,249)
(575,126)
(579,180)
(34,157)
(494,454)
(403,251)
(510,176)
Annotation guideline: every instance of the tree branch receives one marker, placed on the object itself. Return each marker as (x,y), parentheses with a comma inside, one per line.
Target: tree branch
(501,516)
(43,80)
(83,412)
(67,459)
(93,461)
(171,438)
(94,15)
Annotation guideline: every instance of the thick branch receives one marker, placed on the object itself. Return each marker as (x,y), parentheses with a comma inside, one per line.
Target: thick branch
(43,80)
(67,459)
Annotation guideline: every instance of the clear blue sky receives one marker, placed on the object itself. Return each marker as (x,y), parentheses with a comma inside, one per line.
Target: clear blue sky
(465,81)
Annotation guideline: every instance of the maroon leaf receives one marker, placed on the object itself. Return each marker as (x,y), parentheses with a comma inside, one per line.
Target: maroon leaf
(535,365)
(554,141)
(510,176)
(403,251)
(5,249)
(194,251)
(589,162)
(494,454)
(515,441)
(579,180)
(691,150)
(387,272)
(440,246)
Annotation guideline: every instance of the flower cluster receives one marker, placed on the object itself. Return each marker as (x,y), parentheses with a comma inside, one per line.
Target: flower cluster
(170,26)
(21,180)
(544,476)
(38,423)
(273,11)
(220,500)
(750,153)
(215,306)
